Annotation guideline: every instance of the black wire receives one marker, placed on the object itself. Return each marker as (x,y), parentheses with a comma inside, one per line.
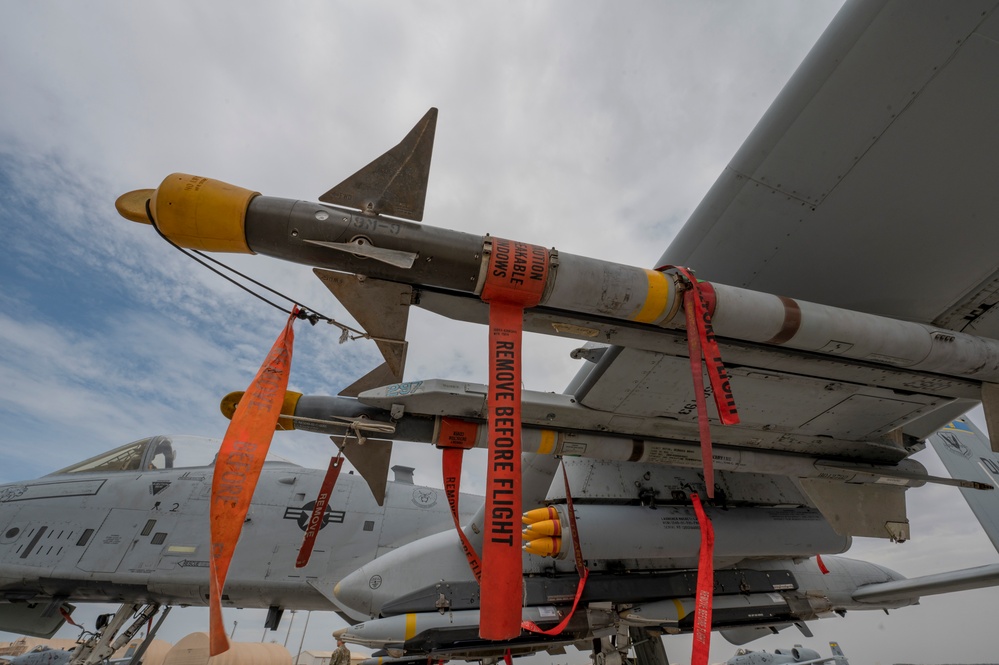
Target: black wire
(304,313)
(311,311)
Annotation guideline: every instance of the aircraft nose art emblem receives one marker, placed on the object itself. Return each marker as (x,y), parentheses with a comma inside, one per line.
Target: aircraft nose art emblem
(424,498)
(303,514)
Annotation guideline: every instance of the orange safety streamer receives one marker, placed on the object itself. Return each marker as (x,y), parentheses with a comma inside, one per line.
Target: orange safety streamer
(702,345)
(319,511)
(581,569)
(822,565)
(238,466)
(454,438)
(705,586)
(515,280)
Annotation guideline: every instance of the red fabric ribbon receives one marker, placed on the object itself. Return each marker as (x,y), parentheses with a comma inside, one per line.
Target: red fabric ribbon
(319,511)
(705,586)
(702,346)
(454,438)
(68,618)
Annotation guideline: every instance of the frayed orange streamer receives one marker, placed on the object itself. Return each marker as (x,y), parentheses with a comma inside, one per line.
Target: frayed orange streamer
(237,469)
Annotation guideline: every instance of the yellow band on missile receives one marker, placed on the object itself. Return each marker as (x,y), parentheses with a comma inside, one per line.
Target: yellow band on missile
(288,405)
(656,299)
(410,626)
(547,442)
(201,213)
(680,612)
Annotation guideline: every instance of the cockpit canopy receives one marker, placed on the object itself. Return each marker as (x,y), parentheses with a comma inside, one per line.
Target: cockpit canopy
(155,452)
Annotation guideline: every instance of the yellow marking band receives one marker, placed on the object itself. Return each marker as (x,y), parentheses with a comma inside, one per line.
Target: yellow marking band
(680,612)
(410,626)
(547,442)
(182,549)
(655,300)
(201,213)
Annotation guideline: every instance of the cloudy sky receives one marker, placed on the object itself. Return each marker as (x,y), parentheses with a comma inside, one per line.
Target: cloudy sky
(592,127)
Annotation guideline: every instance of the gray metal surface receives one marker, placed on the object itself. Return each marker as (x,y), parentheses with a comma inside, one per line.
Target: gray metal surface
(395,183)
(876,160)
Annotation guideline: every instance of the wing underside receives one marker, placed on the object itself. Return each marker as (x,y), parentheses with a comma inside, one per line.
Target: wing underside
(866,186)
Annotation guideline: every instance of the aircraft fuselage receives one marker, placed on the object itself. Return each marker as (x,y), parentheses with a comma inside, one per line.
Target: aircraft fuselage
(144,535)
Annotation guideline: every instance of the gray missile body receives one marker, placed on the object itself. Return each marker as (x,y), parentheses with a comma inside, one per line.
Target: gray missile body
(427,631)
(206,214)
(294,230)
(424,405)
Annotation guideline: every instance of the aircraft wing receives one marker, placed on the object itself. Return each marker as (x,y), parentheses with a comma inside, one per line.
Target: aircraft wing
(866,186)
(928,585)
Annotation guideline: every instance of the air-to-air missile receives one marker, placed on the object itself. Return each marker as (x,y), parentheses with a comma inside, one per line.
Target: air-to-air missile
(363,227)
(553,424)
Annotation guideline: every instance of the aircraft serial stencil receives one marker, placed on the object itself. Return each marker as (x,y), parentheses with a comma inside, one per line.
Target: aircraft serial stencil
(838,378)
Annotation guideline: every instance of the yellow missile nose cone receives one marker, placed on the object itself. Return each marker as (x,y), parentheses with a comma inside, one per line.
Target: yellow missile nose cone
(543,528)
(132,205)
(229,403)
(288,405)
(544,546)
(538,514)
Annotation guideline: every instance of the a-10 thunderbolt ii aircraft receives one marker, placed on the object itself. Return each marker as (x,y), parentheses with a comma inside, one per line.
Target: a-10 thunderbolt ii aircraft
(844,307)
(796,655)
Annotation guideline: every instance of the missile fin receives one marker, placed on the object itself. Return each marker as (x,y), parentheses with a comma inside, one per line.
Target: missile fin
(395,183)
(383,375)
(382,309)
(392,257)
(371,459)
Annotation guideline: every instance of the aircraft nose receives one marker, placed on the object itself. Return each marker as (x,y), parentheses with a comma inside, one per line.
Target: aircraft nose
(355,590)
(397,574)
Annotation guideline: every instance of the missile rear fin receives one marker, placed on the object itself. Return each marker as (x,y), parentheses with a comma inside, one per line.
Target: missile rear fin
(371,459)
(382,310)
(395,183)
(383,375)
